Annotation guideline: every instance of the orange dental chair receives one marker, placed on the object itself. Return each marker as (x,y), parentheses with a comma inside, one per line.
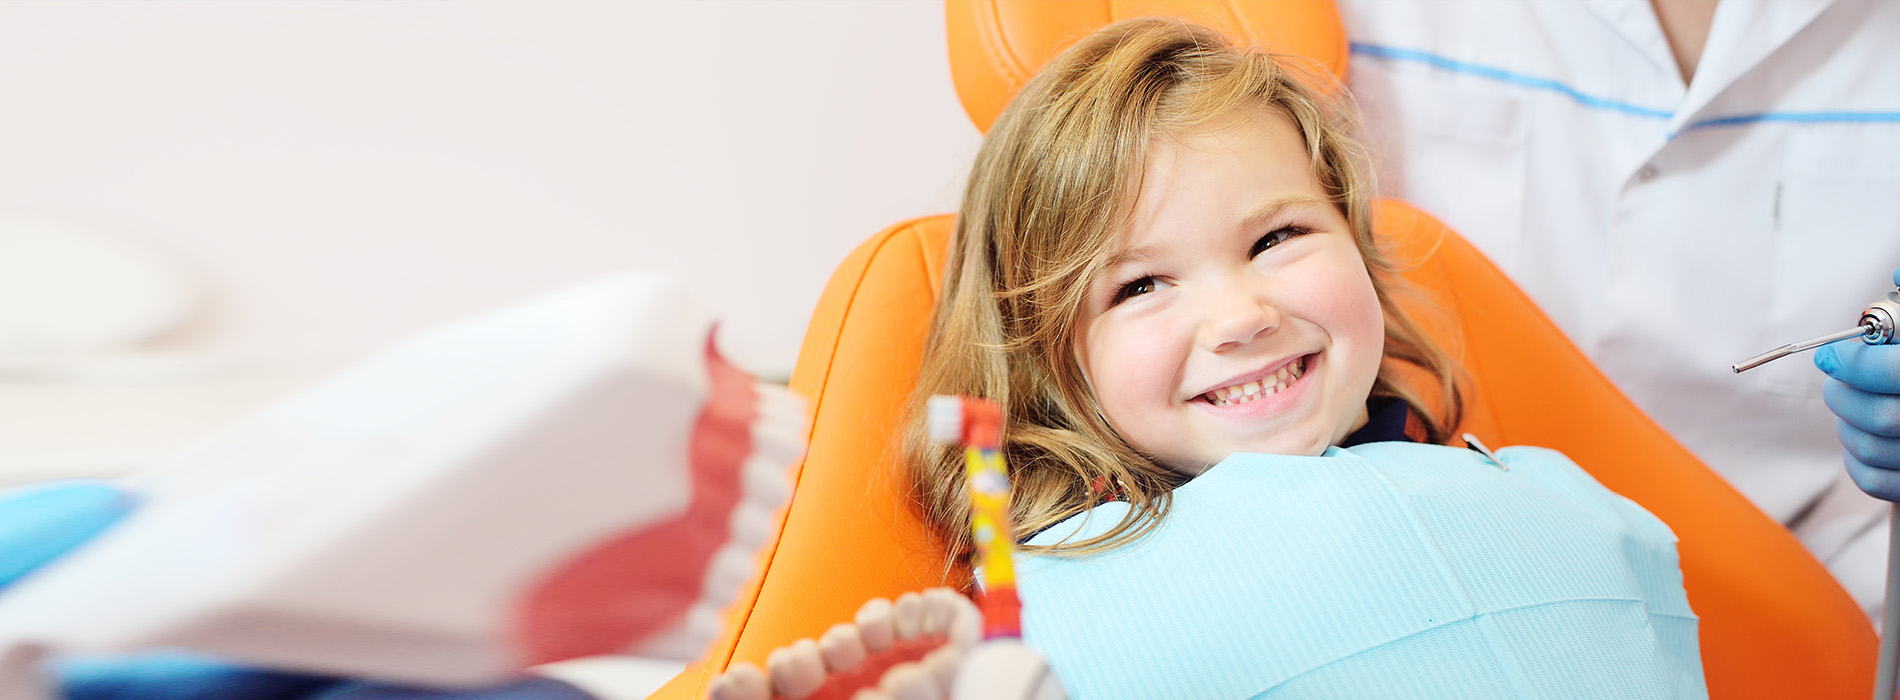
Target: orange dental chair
(1774,624)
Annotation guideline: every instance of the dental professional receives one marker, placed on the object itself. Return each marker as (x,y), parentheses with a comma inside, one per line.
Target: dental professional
(1679,184)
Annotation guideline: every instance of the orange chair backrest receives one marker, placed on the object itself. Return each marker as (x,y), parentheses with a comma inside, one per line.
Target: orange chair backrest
(1774,624)
(996,46)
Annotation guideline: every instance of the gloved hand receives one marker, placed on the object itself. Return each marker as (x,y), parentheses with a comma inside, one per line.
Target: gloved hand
(39,524)
(1863,391)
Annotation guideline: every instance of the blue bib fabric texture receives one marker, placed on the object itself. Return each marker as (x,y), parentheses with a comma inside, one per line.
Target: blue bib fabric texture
(1387,570)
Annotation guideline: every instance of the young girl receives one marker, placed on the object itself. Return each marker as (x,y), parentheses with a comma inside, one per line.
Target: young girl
(1165,272)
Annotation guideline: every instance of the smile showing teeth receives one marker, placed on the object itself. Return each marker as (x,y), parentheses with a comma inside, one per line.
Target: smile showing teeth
(1257,389)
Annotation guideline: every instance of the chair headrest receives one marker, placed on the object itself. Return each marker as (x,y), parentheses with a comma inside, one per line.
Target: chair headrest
(997,45)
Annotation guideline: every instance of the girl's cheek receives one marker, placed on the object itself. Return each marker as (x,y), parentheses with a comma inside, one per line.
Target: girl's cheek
(1361,321)
(1342,291)
(1367,311)
(1127,361)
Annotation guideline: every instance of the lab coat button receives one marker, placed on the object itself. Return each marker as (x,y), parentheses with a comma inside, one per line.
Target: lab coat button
(1647,173)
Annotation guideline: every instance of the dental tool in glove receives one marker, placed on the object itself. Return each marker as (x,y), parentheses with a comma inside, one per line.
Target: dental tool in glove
(1002,665)
(1876,327)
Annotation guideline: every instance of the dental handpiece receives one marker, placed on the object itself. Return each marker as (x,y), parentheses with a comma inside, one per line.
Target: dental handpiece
(1876,327)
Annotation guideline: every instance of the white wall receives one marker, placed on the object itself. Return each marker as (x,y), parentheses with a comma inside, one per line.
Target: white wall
(337,174)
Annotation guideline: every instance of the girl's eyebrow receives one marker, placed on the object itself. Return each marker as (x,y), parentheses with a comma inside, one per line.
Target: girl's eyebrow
(1264,213)
(1125,256)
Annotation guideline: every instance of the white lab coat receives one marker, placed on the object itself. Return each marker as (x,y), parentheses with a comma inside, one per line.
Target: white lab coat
(1670,230)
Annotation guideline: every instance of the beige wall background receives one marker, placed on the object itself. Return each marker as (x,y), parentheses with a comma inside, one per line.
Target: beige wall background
(329,176)
(337,173)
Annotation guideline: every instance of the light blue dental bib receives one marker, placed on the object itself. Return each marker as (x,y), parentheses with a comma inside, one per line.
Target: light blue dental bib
(1388,570)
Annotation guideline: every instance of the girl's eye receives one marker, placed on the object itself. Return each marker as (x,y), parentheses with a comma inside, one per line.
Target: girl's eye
(1278,236)
(1134,289)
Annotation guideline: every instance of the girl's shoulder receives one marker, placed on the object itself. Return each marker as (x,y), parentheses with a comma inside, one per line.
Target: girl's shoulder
(1372,476)
(1427,455)
(1536,472)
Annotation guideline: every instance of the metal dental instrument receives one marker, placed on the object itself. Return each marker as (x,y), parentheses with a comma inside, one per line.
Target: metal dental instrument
(1876,328)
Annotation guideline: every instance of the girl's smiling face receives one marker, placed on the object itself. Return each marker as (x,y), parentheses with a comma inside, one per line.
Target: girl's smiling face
(1235,314)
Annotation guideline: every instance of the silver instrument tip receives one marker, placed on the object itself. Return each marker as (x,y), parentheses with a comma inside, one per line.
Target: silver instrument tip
(1792,348)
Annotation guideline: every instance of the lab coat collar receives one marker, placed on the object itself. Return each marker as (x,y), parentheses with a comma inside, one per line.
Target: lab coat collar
(1635,21)
(1744,33)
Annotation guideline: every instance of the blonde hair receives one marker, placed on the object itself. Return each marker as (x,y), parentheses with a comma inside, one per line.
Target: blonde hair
(1052,187)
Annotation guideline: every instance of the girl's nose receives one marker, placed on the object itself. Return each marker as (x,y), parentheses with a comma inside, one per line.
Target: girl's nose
(1234,317)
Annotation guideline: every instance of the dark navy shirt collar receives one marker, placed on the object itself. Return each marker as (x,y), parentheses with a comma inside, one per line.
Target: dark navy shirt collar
(1385,423)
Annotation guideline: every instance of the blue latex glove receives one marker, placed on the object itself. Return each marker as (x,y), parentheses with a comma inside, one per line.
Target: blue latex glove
(40,524)
(178,676)
(1863,391)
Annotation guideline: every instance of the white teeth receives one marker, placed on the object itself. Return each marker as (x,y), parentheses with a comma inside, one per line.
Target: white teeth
(1259,388)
